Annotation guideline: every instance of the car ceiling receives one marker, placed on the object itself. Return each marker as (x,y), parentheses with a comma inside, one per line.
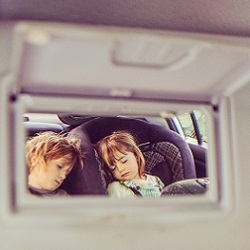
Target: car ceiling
(225,17)
(149,23)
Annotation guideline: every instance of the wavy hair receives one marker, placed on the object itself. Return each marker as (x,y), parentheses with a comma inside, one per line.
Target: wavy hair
(49,145)
(119,141)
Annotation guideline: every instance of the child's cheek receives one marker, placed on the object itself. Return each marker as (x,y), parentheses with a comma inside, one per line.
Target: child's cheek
(115,174)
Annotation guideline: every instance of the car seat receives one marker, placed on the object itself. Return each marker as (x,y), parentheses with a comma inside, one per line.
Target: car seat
(167,155)
(32,128)
(88,179)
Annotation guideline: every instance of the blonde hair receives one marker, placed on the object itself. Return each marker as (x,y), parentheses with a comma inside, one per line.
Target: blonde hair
(119,141)
(49,145)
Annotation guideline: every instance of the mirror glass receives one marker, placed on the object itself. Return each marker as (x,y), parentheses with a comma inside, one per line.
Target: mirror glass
(173,144)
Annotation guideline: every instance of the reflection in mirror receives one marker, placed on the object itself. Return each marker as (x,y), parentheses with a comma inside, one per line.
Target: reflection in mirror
(147,156)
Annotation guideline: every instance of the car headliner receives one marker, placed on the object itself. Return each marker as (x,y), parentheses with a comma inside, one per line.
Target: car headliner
(224,17)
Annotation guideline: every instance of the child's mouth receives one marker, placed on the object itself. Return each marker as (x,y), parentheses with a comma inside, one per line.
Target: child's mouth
(125,174)
(58,182)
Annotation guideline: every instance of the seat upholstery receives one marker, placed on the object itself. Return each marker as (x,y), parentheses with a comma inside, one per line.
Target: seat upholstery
(167,155)
(187,187)
(32,128)
(87,180)
(164,160)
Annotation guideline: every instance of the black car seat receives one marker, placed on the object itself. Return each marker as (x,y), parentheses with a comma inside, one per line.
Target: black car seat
(86,180)
(167,155)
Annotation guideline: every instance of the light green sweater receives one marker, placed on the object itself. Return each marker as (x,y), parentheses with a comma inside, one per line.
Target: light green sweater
(151,187)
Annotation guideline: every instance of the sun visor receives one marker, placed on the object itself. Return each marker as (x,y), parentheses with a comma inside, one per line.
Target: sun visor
(104,61)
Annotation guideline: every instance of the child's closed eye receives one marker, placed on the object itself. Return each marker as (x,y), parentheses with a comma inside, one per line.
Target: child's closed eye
(112,168)
(124,160)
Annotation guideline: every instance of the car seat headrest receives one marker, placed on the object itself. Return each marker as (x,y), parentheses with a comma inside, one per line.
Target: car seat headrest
(87,180)
(32,128)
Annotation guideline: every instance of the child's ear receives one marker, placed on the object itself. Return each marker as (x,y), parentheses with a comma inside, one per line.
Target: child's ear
(32,164)
(33,161)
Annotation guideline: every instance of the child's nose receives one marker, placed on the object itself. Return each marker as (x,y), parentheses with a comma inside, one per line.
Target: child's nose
(63,175)
(120,167)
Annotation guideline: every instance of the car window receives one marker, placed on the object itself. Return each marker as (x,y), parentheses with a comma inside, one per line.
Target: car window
(193,127)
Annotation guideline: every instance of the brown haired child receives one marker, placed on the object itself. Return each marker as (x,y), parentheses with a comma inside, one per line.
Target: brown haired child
(50,157)
(123,162)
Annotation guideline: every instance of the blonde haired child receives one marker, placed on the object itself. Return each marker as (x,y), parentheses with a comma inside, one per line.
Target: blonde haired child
(123,162)
(50,157)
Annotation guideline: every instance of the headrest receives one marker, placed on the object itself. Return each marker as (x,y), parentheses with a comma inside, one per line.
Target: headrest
(32,128)
(89,179)
(142,130)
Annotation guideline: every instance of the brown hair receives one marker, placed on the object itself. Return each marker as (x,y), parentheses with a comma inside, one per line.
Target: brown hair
(49,145)
(119,141)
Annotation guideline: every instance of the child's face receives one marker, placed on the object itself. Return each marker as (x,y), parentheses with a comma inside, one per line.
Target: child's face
(50,175)
(126,167)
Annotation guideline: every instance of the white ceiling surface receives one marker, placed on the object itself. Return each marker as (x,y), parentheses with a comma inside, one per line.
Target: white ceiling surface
(176,65)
